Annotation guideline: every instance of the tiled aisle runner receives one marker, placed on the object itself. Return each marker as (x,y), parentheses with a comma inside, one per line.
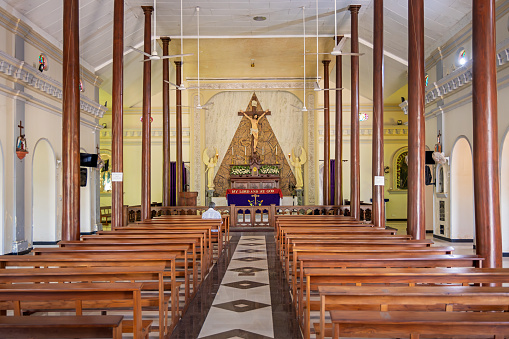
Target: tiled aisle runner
(242,306)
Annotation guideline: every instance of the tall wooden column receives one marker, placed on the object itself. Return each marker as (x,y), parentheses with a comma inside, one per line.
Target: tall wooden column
(378,114)
(117,142)
(146,130)
(166,123)
(326,134)
(486,162)
(355,181)
(178,166)
(338,175)
(416,139)
(71,122)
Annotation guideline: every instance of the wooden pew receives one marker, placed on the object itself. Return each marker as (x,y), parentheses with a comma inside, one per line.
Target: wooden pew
(434,324)
(347,230)
(360,261)
(155,228)
(317,277)
(372,250)
(51,327)
(224,217)
(441,299)
(215,225)
(159,242)
(37,296)
(150,276)
(155,231)
(129,252)
(331,240)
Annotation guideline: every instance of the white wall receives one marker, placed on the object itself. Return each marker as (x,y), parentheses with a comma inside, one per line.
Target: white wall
(44,188)
(2,195)
(504,193)
(462,191)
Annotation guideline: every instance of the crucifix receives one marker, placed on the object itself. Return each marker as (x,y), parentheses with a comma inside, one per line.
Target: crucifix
(20,128)
(255,196)
(254,117)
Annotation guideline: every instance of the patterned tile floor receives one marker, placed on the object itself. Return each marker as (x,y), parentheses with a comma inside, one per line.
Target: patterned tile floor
(245,296)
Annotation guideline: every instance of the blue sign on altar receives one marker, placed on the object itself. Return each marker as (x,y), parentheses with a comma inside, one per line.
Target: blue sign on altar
(261,199)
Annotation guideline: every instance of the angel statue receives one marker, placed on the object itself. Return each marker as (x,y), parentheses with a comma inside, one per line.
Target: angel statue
(211,164)
(297,163)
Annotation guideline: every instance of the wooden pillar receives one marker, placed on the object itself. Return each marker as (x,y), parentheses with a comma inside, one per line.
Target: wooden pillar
(326,134)
(71,122)
(117,110)
(416,139)
(166,123)
(378,114)
(178,166)
(146,130)
(355,181)
(338,185)
(485,148)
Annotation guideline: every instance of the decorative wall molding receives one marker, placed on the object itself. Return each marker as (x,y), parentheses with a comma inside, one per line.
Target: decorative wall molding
(136,133)
(21,72)
(19,27)
(399,130)
(458,80)
(254,85)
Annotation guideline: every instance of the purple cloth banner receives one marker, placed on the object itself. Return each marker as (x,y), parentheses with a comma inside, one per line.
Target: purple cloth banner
(249,199)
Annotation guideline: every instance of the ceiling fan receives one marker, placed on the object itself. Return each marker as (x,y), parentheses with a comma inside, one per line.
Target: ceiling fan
(316,85)
(155,55)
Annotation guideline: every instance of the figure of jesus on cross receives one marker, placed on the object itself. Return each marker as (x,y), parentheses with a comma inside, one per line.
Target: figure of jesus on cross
(254,119)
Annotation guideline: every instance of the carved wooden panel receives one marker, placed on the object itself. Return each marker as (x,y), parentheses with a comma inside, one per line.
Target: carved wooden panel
(267,143)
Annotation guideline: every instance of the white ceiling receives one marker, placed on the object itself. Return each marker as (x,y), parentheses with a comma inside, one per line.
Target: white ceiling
(234,19)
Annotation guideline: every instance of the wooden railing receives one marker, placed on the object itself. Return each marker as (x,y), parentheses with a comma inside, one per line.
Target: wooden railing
(249,216)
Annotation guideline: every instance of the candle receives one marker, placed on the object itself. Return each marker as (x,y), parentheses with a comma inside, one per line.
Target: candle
(232,150)
(245,151)
(276,151)
(289,155)
(263,151)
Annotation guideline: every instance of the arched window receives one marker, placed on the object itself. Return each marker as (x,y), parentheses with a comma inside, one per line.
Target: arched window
(402,171)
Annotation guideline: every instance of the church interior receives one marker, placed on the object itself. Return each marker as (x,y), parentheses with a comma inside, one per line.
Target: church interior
(325,135)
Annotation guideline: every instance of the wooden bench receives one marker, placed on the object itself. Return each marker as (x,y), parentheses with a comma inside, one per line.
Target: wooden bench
(152,278)
(321,277)
(51,327)
(214,224)
(299,288)
(397,324)
(195,253)
(371,250)
(130,251)
(153,228)
(72,296)
(434,299)
(177,232)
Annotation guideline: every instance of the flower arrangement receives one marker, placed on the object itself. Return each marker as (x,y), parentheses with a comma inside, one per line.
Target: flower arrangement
(269,169)
(240,170)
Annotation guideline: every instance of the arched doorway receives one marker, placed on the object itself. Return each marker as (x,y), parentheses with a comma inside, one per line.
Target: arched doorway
(504,192)
(462,191)
(44,214)
(2,204)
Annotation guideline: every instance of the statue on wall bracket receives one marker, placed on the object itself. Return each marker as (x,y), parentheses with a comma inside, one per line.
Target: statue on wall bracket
(211,164)
(297,163)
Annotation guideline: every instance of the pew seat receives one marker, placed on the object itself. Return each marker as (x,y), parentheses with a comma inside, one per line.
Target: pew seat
(397,324)
(52,327)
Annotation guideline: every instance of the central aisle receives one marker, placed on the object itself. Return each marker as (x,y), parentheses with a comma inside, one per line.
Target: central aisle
(242,306)
(244,296)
